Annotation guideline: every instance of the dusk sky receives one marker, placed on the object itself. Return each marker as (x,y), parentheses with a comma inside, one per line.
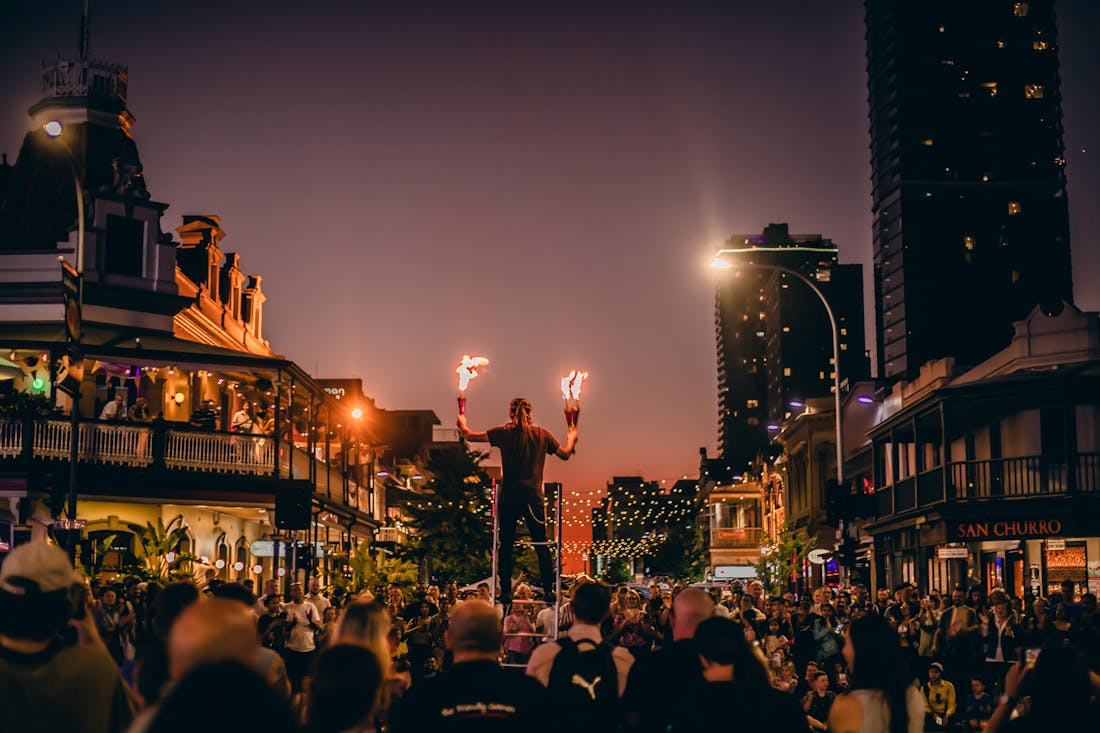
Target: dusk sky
(541,183)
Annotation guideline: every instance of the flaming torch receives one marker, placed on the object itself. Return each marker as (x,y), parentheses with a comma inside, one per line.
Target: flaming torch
(571,393)
(467,370)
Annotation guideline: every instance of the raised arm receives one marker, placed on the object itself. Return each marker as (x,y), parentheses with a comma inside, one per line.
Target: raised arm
(470,435)
(565,451)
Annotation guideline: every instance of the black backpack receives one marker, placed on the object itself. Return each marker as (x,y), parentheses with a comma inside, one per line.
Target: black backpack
(584,686)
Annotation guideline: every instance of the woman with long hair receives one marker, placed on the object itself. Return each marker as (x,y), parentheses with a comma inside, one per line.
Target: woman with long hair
(882,697)
(368,625)
(523,450)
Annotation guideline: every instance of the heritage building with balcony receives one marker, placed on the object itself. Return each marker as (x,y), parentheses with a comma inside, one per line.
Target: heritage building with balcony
(992,476)
(176,325)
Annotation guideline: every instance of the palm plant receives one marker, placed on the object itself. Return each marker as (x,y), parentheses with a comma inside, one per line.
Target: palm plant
(157,540)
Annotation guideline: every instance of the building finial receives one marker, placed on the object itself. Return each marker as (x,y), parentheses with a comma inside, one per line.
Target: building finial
(85,40)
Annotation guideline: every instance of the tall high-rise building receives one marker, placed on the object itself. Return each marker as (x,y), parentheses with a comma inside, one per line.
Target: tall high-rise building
(774,339)
(971,227)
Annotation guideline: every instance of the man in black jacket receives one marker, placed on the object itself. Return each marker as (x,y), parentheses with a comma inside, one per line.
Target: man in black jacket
(668,673)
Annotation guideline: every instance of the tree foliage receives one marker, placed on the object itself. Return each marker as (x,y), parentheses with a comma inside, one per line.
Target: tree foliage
(452,522)
(780,563)
(376,570)
(680,554)
(156,541)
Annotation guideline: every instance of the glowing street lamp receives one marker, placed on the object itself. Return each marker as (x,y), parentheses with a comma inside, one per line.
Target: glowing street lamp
(721,263)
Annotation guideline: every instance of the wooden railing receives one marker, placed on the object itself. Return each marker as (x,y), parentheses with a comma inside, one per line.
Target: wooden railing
(96,442)
(992,480)
(11,438)
(194,450)
(733,537)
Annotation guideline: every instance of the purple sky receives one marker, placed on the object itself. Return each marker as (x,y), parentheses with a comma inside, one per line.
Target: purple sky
(417,180)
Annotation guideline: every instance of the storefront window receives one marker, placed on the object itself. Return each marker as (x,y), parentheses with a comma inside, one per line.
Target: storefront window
(1067,564)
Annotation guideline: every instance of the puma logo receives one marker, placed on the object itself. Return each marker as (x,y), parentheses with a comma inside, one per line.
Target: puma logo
(590,686)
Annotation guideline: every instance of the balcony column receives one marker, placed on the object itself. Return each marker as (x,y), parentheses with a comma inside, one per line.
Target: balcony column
(328,452)
(1069,429)
(278,423)
(945,443)
(311,442)
(893,471)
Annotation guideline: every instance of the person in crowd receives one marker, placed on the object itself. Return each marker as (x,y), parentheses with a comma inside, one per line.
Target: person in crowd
(670,672)
(1001,640)
(368,624)
(1059,690)
(115,622)
(736,679)
(476,693)
(418,637)
(775,644)
(881,697)
(234,697)
(1062,628)
(345,691)
(269,663)
(47,684)
(273,625)
(315,597)
(206,632)
(928,620)
(908,627)
(150,672)
(302,623)
(818,701)
(242,419)
(139,411)
(523,449)
(827,636)
(956,638)
(518,648)
(115,410)
(630,628)
(323,636)
(205,417)
(271,588)
(979,705)
(591,605)
(940,701)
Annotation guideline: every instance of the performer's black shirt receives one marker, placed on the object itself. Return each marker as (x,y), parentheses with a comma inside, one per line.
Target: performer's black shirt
(523,454)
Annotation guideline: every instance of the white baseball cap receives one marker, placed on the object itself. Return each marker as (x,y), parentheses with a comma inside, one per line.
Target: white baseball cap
(36,567)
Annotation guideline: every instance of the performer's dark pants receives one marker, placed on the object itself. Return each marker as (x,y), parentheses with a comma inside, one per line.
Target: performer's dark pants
(518,502)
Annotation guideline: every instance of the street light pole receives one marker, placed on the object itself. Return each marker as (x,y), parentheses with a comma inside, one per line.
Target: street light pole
(54,129)
(724,264)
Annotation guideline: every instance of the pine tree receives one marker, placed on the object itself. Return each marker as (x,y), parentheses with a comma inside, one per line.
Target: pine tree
(452,521)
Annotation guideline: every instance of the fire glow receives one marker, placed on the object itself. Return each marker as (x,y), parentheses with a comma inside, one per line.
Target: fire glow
(467,372)
(571,393)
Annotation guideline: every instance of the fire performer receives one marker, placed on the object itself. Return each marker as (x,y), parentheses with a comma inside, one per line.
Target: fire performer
(523,449)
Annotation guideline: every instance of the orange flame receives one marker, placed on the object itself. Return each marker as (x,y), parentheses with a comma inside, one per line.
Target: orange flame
(571,385)
(467,370)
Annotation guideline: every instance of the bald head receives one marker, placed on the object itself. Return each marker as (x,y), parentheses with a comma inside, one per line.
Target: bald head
(474,630)
(690,608)
(212,631)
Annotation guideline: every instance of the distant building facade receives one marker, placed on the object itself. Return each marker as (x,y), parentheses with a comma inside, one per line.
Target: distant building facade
(774,339)
(971,225)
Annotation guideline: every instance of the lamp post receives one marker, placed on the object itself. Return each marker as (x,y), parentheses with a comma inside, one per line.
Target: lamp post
(720,263)
(54,130)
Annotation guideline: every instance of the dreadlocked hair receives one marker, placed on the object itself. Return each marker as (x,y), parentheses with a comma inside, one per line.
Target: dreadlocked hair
(519,412)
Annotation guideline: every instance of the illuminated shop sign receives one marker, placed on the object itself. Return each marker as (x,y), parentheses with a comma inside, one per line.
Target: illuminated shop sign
(1008,529)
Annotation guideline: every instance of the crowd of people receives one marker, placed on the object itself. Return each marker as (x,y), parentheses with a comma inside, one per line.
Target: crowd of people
(150,657)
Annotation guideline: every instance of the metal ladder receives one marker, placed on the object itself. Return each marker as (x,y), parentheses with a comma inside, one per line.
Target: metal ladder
(556,552)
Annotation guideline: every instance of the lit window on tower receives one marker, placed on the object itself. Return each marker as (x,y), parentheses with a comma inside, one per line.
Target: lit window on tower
(990,88)
(1013,208)
(1039,45)
(1020,10)
(968,242)
(1033,91)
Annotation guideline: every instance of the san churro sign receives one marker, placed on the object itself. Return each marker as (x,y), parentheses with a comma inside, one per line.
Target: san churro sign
(1008,529)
